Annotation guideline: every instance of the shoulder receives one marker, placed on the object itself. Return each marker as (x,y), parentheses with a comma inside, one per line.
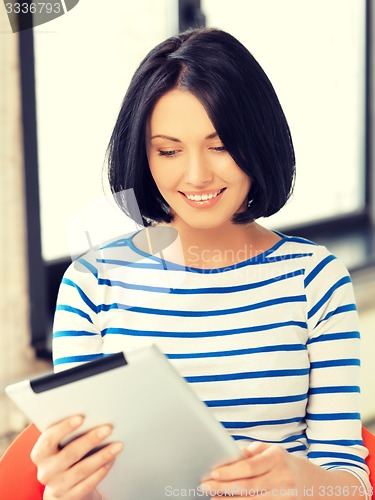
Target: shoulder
(304,246)
(318,260)
(99,259)
(299,244)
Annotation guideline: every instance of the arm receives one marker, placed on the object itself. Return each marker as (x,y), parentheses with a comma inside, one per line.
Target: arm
(269,470)
(336,459)
(76,330)
(333,410)
(67,472)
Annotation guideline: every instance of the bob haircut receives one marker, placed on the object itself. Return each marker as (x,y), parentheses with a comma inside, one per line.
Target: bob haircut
(241,103)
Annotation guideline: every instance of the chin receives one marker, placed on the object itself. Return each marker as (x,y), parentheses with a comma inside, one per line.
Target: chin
(204,222)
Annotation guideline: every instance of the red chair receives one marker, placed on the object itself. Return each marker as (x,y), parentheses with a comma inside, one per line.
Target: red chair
(18,474)
(369,442)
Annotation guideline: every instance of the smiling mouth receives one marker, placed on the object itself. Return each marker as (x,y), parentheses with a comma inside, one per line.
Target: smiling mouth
(203,197)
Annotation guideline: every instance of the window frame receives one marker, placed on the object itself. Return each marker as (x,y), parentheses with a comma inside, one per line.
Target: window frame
(44,276)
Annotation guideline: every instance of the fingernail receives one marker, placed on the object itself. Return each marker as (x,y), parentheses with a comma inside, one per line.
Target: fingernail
(215,474)
(116,448)
(76,421)
(104,431)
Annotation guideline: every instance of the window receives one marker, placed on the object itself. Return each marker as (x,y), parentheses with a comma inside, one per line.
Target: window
(314,53)
(83,64)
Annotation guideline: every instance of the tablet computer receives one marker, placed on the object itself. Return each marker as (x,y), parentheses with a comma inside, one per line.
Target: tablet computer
(171,440)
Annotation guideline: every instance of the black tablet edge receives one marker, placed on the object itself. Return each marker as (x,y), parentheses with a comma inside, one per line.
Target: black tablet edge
(53,380)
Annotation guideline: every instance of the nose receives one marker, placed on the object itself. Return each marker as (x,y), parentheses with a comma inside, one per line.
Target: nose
(197,172)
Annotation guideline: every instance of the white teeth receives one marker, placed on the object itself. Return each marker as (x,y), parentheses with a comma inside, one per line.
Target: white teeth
(204,197)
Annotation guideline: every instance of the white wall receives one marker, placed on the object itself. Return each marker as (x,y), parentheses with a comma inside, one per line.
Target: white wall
(364,288)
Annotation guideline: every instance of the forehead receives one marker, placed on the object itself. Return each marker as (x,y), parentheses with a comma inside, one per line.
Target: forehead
(179,111)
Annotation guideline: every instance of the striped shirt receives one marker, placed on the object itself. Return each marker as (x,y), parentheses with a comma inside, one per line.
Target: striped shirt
(271,344)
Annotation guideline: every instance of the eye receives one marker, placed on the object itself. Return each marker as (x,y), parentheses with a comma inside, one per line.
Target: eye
(167,153)
(219,149)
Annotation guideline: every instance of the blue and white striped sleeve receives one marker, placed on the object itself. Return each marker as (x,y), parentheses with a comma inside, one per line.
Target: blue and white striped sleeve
(76,335)
(333,410)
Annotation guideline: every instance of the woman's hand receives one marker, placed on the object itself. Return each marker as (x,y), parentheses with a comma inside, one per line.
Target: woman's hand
(63,471)
(265,470)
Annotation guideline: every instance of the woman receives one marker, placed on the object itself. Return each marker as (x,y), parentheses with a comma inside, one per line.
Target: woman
(263,325)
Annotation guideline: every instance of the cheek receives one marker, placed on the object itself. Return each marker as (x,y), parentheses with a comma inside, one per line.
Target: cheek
(165,175)
(154,171)
(162,179)
(245,183)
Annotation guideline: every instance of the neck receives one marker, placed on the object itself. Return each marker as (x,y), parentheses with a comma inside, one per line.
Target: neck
(219,247)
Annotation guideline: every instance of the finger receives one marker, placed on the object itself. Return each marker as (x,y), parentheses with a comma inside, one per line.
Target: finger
(240,488)
(256,447)
(49,440)
(88,485)
(54,467)
(65,483)
(77,449)
(260,485)
(256,463)
(85,487)
(87,467)
(231,497)
(230,489)
(253,449)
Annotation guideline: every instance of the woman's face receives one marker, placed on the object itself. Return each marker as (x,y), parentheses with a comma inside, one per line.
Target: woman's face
(196,176)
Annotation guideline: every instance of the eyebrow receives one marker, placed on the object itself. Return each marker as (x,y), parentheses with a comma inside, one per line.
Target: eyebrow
(174,139)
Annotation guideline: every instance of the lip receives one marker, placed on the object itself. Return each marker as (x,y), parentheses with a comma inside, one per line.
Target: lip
(201,193)
(204,203)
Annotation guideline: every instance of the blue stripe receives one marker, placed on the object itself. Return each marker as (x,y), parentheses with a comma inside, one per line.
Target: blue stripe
(214,333)
(237,438)
(244,425)
(301,447)
(82,294)
(203,313)
(289,439)
(198,291)
(326,337)
(317,269)
(335,362)
(62,307)
(339,442)
(88,266)
(131,286)
(247,375)
(256,401)
(73,333)
(334,465)
(254,260)
(296,239)
(258,259)
(239,352)
(176,267)
(338,310)
(278,258)
(334,389)
(333,416)
(341,282)
(78,359)
(126,263)
(335,454)
(121,242)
